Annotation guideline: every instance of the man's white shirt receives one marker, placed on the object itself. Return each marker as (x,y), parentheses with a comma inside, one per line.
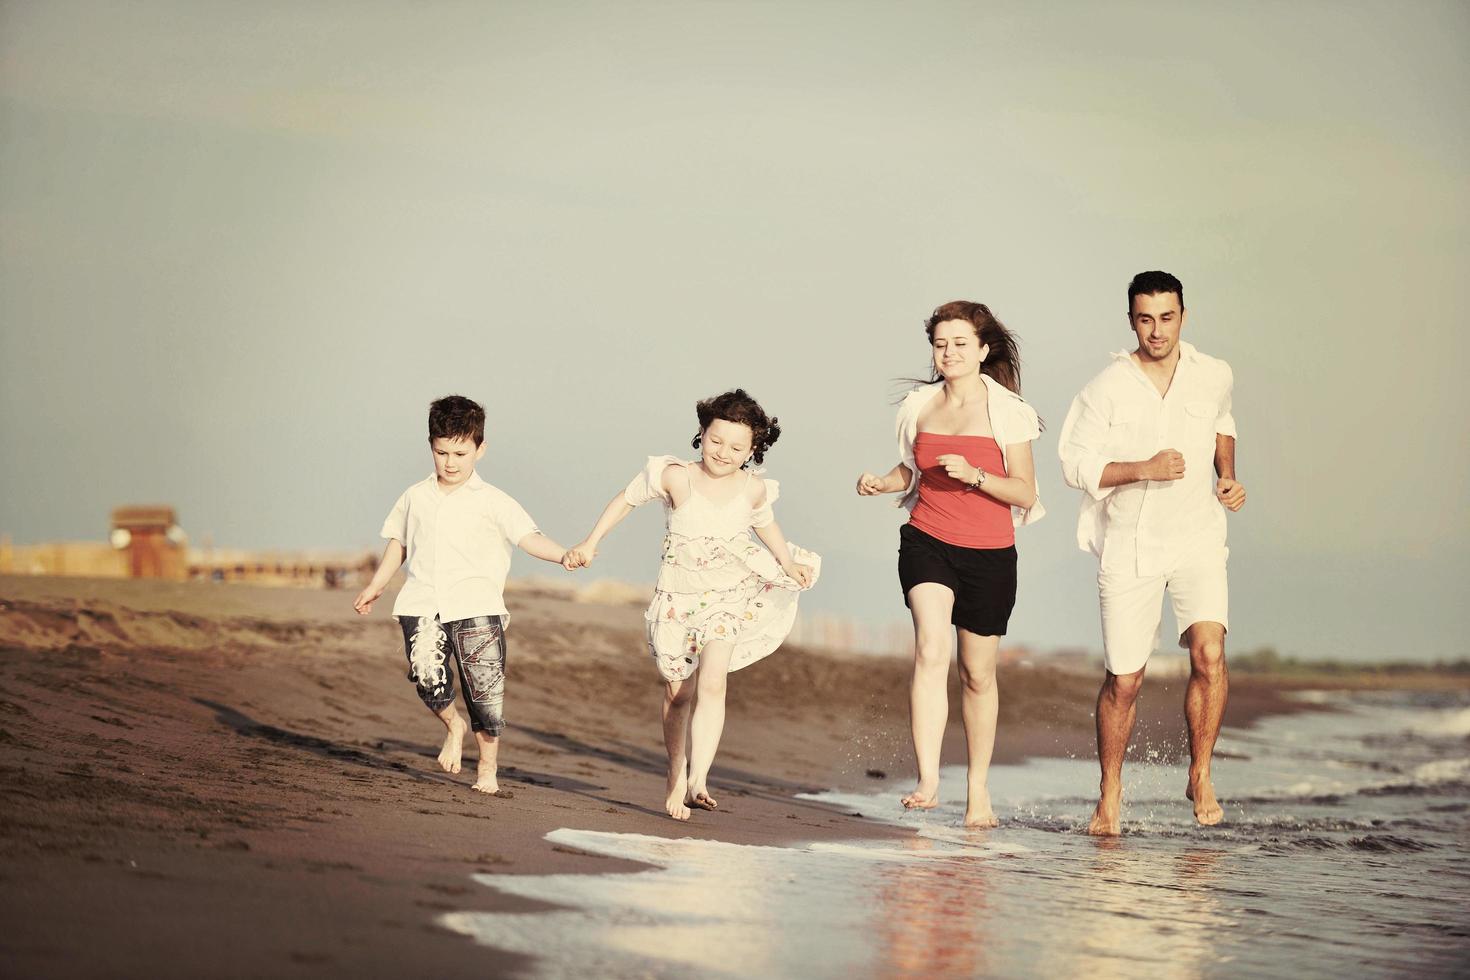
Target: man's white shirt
(459,546)
(1146,527)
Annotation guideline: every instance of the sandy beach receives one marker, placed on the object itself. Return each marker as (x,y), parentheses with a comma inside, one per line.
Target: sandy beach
(234,780)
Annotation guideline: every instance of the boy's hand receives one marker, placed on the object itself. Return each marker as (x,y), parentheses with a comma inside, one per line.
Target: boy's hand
(579,556)
(802,573)
(365,599)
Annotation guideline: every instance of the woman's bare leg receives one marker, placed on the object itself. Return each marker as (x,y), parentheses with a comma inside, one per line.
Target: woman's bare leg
(979,705)
(931,604)
(677,701)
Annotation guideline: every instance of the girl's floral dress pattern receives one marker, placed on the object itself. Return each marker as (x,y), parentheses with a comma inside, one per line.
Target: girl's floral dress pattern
(717,582)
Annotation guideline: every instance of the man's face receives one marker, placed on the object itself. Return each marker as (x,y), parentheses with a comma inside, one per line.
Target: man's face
(454,459)
(1157,319)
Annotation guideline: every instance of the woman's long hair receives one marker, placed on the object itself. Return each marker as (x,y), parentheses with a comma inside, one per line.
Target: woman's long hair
(1003,361)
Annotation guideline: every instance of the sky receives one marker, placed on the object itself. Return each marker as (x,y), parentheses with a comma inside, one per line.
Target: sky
(243,246)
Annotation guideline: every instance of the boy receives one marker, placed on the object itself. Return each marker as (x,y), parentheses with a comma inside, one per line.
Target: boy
(457,533)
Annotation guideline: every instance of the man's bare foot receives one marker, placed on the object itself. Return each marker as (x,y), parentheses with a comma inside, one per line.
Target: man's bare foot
(1105,822)
(450,754)
(674,805)
(698,796)
(922,798)
(1207,809)
(978,812)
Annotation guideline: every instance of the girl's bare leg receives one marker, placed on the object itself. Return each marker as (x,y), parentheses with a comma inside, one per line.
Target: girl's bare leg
(931,604)
(979,705)
(708,722)
(678,698)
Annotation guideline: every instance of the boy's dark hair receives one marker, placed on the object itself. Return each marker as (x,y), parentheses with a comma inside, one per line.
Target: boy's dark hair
(1152,283)
(456,417)
(736,406)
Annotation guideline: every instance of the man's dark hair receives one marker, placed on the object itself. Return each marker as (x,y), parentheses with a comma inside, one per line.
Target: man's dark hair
(456,417)
(736,406)
(1150,283)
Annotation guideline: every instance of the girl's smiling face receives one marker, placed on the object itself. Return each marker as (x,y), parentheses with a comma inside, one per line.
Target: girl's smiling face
(957,349)
(725,446)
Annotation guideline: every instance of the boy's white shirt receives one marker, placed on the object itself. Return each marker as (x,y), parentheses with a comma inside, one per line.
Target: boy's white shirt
(459,546)
(1011,421)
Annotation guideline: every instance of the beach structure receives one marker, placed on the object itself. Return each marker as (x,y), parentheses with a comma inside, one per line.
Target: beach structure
(146,541)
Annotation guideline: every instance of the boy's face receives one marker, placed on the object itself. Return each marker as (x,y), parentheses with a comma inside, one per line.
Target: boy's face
(454,459)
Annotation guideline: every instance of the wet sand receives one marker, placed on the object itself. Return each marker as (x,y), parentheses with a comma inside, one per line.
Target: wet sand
(234,780)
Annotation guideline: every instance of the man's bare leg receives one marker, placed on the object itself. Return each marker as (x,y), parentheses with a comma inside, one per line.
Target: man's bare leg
(1117,707)
(1204,709)
(678,698)
(708,721)
(453,750)
(979,705)
(931,605)
(485,781)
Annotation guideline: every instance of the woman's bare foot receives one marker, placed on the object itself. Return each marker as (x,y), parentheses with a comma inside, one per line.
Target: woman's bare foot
(1105,821)
(698,796)
(978,812)
(1207,810)
(922,798)
(674,805)
(453,750)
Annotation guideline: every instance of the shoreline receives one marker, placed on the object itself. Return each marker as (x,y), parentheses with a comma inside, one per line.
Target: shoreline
(218,779)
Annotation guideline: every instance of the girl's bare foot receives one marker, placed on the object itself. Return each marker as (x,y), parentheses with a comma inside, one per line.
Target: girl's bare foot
(978,812)
(922,798)
(453,750)
(674,805)
(1207,810)
(698,796)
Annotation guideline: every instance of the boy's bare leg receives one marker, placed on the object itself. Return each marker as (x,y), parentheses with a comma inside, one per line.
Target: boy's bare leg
(708,722)
(678,699)
(1204,709)
(979,706)
(453,750)
(485,780)
(1117,707)
(931,605)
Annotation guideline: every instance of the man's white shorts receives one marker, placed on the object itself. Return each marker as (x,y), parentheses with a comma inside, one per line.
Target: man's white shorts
(1132,607)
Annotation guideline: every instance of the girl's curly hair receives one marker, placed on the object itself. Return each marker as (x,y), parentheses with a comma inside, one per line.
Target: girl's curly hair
(738,407)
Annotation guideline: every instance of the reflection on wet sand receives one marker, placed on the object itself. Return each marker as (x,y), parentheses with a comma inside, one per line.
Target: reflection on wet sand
(932,914)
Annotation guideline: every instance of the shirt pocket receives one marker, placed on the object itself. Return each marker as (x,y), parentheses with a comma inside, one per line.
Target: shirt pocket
(1199,424)
(1125,433)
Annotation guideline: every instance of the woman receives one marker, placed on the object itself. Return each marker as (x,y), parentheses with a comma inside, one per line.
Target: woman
(968,480)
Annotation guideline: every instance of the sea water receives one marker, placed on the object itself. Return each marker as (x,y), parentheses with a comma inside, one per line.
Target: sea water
(1345,851)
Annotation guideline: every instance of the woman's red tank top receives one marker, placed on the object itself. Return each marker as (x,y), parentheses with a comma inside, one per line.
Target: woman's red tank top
(948,509)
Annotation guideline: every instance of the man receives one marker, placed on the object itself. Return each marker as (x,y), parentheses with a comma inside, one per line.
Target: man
(1140,441)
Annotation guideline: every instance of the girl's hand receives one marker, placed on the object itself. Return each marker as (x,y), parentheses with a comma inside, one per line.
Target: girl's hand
(365,599)
(959,468)
(579,556)
(869,485)
(802,573)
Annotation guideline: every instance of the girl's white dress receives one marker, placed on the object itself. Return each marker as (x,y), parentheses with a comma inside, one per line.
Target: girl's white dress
(717,582)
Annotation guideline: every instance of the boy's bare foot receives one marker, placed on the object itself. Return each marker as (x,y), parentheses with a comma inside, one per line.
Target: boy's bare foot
(922,798)
(674,805)
(1207,809)
(700,799)
(1105,821)
(978,812)
(485,777)
(453,750)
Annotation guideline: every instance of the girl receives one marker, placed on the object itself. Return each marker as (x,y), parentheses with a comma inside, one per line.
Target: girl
(722,601)
(968,480)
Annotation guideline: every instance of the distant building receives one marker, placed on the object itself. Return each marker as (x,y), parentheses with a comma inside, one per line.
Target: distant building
(147,542)
(155,545)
